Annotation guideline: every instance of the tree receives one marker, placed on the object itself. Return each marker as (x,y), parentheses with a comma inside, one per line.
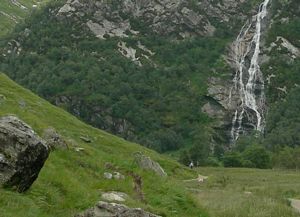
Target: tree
(287,158)
(233,159)
(257,156)
(184,157)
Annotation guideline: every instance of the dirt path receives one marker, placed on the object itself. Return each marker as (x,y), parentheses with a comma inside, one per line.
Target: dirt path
(295,204)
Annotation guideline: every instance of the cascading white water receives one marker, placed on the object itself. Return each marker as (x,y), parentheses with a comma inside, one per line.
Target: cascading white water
(248,77)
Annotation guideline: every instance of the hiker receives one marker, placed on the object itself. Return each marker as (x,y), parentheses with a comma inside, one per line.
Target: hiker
(191,165)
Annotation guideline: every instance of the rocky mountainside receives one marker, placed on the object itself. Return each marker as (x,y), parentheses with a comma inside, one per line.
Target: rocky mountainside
(165,17)
(169,74)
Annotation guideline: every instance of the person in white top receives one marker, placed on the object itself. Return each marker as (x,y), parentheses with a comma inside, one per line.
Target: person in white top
(191,165)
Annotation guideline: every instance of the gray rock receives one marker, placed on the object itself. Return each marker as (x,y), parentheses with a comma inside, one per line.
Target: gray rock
(53,139)
(22,104)
(223,98)
(108,28)
(224,10)
(295,204)
(114,196)
(289,46)
(129,52)
(22,154)
(66,9)
(222,101)
(79,149)
(108,175)
(118,176)
(104,209)
(85,139)
(146,163)
(219,90)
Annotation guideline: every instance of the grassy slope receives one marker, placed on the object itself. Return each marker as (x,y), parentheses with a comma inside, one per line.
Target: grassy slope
(6,23)
(225,192)
(71,181)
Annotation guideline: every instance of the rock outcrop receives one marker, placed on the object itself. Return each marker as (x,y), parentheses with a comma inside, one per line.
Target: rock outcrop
(146,163)
(22,154)
(113,18)
(221,102)
(281,43)
(104,209)
(223,10)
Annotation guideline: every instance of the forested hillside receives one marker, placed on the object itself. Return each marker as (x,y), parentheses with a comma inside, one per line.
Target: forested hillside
(159,77)
(157,104)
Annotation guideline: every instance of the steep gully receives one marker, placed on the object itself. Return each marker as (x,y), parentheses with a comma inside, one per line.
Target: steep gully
(248,80)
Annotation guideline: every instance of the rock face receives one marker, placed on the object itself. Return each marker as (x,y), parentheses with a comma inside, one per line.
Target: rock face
(112,18)
(103,209)
(164,17)
(22,154)
(284,43)
(146,163)
(221,104)
(223,10)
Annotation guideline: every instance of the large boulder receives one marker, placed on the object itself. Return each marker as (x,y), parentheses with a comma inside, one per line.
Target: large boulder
(22,154)
(104,209)
(146,163)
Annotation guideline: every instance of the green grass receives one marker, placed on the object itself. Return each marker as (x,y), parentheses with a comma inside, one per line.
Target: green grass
(18,14)
(72,181)
(226,193)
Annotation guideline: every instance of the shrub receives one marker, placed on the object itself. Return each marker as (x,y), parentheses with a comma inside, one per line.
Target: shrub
(233,159)
(256,156)
(287,158)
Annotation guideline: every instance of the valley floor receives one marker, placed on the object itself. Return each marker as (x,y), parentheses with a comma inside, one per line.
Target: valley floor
(232,192)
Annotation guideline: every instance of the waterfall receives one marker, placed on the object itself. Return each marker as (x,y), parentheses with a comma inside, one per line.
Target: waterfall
(248,80)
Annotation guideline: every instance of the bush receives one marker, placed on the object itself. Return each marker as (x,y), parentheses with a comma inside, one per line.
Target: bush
(256,156)
(287,158)
(213,162)
(233,159)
